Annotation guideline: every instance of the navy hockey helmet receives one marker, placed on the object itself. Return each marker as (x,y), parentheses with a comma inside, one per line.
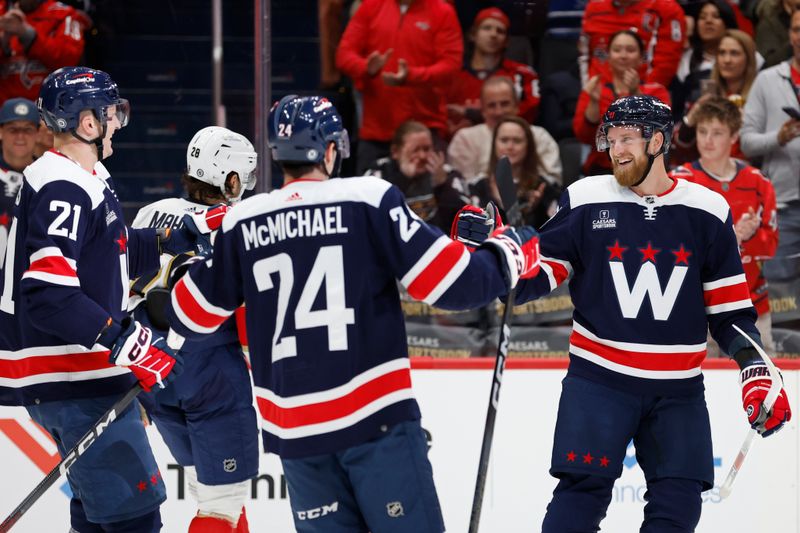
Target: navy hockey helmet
(300,128)
(643,111)
(69,90)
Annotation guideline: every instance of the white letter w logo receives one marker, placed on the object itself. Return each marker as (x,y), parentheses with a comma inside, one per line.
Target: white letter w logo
(630,299)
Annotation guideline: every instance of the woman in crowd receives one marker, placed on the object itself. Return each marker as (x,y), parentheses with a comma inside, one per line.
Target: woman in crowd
(538,195)
(712,20)
(625,59)
(731,77)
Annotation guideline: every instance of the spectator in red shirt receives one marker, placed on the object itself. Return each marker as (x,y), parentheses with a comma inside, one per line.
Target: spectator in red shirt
(749,194)
(625,57)
(660,22)
(489,38)
(39,37)
(401,55)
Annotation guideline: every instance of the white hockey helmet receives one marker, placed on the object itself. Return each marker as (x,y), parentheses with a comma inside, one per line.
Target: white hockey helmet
(214,152)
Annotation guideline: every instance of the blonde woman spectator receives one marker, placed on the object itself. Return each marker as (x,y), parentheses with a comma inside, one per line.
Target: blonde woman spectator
(731,77)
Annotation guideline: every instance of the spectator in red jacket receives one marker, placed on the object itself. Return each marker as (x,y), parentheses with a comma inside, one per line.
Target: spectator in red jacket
(39,37)
(489,38)
(749,194)
(658,20)
(402,55)
(625,58)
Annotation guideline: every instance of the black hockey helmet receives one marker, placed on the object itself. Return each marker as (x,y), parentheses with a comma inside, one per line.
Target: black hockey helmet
(647,112)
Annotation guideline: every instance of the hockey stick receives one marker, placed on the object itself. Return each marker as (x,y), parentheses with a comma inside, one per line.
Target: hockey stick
(71,456)
(508,197)
(769,401)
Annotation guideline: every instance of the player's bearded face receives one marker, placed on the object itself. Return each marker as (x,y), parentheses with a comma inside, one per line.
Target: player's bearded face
(627,149)
(629,169)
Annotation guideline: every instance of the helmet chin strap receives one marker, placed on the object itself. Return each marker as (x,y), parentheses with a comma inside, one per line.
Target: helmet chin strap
(650,160)
(98,142)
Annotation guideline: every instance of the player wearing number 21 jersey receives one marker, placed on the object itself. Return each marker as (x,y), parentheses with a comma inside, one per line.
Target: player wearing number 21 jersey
(317,264)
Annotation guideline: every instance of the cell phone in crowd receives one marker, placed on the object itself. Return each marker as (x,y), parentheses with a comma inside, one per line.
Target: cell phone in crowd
(792,112)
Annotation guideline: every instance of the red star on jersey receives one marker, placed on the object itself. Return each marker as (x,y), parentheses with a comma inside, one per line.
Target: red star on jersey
(4,219)
(649,253)
(571,457)
(604,461)
(587,459)
(682,255)
(142,486)
(616,251)
(122,242)
(154,480)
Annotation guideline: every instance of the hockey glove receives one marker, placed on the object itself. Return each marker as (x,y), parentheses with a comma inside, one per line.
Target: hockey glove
(473,225)
(132,345)
(518,252)
(755,381)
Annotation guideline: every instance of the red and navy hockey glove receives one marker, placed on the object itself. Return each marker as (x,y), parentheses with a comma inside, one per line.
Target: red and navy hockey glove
(518,251)
(755,381)
(132,345)
(473,225)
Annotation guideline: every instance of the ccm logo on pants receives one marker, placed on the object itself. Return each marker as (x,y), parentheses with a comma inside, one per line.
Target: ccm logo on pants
(311,514)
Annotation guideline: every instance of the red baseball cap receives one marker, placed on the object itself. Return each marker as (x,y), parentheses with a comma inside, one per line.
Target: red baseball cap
(491,13)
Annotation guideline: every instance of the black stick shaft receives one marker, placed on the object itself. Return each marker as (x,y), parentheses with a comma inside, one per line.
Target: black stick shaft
(70,457)
(491,414)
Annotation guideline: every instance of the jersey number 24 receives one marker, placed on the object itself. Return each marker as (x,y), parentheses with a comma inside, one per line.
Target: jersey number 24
(328,269)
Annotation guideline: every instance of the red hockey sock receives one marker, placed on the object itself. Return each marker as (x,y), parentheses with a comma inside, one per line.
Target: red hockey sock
(243,526)
(210,524)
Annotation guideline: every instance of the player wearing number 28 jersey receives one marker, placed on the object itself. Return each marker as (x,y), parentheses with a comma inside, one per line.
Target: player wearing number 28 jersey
(317,263)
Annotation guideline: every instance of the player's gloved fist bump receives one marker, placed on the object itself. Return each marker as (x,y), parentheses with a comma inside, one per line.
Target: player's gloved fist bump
(518,250)
(473,225)
(755,382)
(132,345)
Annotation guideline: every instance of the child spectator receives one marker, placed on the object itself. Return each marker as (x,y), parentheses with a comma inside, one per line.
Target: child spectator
(749,194)
(489,38)
(625,58)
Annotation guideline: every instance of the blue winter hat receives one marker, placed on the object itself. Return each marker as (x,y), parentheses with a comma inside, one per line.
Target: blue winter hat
(19,109)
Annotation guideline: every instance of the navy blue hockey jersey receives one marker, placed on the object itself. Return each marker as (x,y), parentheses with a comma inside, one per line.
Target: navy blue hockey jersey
(65,272)
(317,264)
(649,276)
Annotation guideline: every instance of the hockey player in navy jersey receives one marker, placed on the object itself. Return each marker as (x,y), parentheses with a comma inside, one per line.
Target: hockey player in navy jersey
(652,264)
(67,346)
(317,263)
(206,416)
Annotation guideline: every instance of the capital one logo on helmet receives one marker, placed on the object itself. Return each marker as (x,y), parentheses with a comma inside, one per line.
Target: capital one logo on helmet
(83,78)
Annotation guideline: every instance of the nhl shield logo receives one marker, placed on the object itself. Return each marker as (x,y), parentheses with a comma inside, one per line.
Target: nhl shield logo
(394,509)
(229,465)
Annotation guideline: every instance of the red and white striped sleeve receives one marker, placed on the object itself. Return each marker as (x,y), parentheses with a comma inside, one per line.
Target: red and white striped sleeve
(48,264)
(193,309)
(726,294)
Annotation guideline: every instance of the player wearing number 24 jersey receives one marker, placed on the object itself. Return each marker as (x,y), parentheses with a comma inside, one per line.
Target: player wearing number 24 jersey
(317,264)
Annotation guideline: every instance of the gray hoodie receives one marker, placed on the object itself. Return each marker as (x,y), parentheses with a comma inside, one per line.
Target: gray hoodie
(763,117)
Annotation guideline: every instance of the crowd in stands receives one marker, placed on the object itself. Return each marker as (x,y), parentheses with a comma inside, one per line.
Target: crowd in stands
(443,89)
(36,37)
